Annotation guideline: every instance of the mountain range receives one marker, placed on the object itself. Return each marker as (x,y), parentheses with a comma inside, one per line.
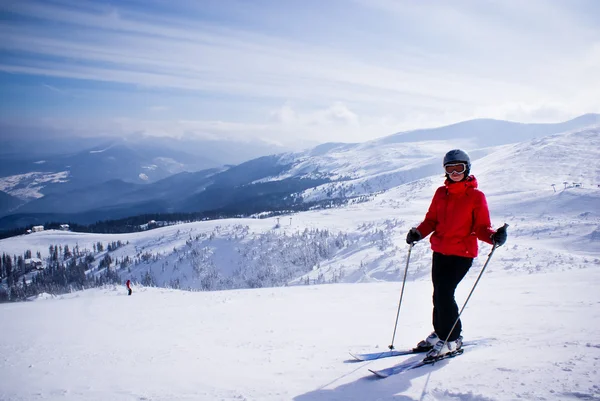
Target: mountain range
(120,179)
(545,188)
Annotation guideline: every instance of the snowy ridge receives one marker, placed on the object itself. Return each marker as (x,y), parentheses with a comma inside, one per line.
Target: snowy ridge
(27,186)
(365,242)
(381,164)
(535,312)
(330,171)
(364,168)
(535,165)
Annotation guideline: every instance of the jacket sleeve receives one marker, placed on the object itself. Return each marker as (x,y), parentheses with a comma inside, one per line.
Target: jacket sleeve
(431,219)
(482,225)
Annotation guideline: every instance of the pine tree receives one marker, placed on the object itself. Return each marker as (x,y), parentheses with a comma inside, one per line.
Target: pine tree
(67,252)
(9,272)
(20,266)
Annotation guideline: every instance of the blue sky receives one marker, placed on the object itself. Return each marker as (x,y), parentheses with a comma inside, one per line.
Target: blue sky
(332,70)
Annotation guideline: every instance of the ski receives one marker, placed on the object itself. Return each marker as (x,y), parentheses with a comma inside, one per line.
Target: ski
(387,354)
(406,366)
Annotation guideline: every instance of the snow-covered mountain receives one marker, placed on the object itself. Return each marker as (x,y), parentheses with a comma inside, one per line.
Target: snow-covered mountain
(29,169)
(364,241)
(388,162)
(31,178)
(288,180)
(534,315)
(488,132)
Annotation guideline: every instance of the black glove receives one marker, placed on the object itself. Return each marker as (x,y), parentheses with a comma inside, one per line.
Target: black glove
(499,237)
(413,236)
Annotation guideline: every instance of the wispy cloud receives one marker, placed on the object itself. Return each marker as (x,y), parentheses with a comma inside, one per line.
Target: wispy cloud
(52,88)
(403,63)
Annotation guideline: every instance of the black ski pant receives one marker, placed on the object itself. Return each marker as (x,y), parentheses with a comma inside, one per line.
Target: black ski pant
(447,271)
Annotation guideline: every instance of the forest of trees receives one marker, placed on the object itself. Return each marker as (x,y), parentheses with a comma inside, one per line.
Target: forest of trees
(65,270)
(230,256)
(234,257)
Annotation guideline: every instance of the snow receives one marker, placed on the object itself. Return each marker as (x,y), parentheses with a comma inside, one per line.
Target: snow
(539,335)
(535,313)
(42,296)
(27,186)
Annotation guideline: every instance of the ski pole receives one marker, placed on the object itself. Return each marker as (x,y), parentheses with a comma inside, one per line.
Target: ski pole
(472,289)
(391,346)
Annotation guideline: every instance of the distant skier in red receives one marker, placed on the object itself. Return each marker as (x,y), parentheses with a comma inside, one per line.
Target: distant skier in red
(128,284)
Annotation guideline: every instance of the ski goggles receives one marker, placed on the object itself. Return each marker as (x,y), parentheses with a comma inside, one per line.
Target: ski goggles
(457,168)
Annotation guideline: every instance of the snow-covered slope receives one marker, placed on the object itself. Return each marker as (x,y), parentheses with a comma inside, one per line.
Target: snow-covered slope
(366,168)
(283,181)
(385,163)
(365,242)
(538,336)
(535,165)
(535,314)
(488,132)
(27,186)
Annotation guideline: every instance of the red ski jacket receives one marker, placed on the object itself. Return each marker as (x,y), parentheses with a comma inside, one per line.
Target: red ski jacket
(457,217)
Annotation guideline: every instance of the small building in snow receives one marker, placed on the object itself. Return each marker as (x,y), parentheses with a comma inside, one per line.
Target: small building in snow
(64,227)
(35,229)
(34,264)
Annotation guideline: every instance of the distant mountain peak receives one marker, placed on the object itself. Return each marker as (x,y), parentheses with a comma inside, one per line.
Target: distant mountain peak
(486,132)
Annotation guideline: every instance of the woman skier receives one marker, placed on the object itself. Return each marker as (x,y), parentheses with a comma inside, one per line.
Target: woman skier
(457,217)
